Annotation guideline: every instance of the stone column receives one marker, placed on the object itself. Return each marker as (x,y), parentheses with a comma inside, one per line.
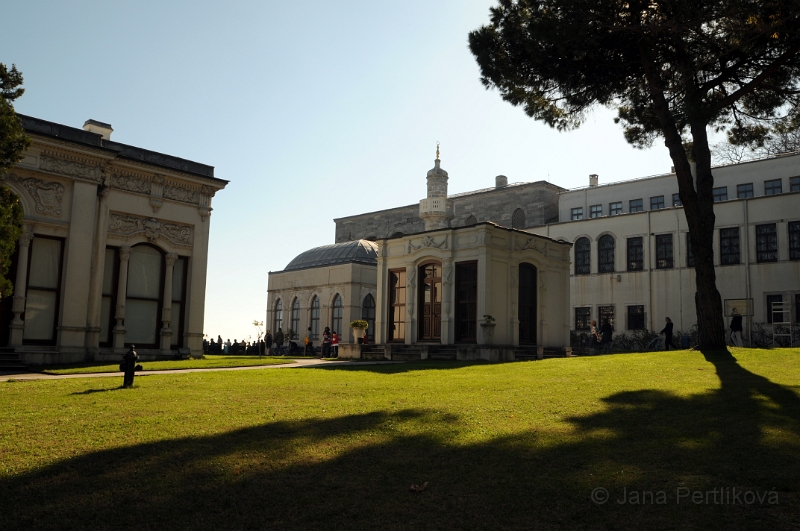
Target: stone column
(96,280)
(122,293)
(448,305)
(166,307)
(20,288)
(411,299)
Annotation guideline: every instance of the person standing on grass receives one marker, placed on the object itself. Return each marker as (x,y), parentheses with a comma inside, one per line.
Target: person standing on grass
(279,340)
(309,343)
(595,335)
(667,333)
(335,344)
(228,346)
(268,341)
(326,343)
(736,328)
(606,331)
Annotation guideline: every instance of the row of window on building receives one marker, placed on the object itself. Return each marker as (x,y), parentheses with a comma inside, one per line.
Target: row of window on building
(314,314)
(730,254)
(743,191)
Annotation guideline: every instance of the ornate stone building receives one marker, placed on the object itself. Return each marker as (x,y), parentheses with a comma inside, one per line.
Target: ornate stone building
(114,249)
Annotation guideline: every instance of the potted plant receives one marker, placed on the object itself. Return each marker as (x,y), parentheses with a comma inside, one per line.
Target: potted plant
(487,326)
(359,327)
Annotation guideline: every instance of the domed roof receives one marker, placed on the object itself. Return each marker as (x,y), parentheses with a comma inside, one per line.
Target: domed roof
(360,251)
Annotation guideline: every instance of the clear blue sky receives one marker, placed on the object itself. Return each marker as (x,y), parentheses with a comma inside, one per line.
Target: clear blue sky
(313,110)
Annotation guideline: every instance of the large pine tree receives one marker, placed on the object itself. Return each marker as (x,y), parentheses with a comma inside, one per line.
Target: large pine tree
(673,69)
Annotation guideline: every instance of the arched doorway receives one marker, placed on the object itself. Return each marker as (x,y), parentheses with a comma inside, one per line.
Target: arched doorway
(430,302)
(527,304)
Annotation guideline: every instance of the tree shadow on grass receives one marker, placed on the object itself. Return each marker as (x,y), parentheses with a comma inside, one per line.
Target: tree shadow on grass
(743,435)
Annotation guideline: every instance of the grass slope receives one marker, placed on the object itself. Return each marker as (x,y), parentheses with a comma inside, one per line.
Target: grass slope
(501,446)
(209,361)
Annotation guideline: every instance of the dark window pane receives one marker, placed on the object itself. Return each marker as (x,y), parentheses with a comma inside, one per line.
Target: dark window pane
(794,240)
(744,191)
(635,205)
(664,251)
(583,318)
(720,194)
(689,252)
(615,208)
(657,202)
(576,214)
(595,211)
(766,243)
(582,256)
(729,246)
(605,250)
(676,200)
(635,317)
(635,254)
(772,187)
(466,301)
(772,316)
(606,313)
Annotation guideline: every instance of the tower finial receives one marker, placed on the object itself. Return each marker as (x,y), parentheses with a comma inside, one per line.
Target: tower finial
(437,150)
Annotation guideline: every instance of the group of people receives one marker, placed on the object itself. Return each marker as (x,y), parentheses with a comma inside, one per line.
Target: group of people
(237,347)
(330,343)
(603,338)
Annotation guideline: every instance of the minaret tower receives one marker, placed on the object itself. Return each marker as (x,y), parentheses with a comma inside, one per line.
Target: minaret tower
(435,210)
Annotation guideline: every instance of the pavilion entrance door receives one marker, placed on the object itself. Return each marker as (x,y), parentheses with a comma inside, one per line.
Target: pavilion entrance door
(527,304)
(430,302)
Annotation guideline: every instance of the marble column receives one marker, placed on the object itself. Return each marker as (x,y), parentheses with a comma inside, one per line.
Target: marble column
(96,280)
(122,293)
(20,288)
(166,307)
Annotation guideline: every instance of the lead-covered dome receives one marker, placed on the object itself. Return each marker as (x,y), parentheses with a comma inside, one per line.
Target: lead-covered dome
(358,251)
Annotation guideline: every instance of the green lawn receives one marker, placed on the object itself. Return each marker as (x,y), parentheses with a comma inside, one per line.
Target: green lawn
(209,361)
(500,446)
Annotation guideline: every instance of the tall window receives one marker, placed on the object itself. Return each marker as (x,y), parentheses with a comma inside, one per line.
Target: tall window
(368,314)
(744,191)
(635,254)
(576,214)
(729,246)
(636,317)
(595,211)
(178,297)
(606,313)
(657,202)
(44,286)
(772,187)
(295,322)
(397,305)
(676,200)
(518,219)
(689,252)
(664,251)
(278,322)
(143,303)
(605,251)
(583,256)
(766,243)
(336,316)
(794,184)
(615,208)
(772,316)
(109,300)
(794,240)
(527,304)
(720,194)
(466,301)
(635,205)
(314,315)
(583,318)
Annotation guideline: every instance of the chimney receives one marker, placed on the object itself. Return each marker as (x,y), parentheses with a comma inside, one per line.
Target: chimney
(593,179)
(500,181)
(101,128)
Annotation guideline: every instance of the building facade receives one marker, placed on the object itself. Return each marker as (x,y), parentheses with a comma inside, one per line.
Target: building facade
(113,252)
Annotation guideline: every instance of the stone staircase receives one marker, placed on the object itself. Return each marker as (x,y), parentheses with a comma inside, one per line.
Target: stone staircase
(373,352)
(443,352)
(11,361)
(406,352)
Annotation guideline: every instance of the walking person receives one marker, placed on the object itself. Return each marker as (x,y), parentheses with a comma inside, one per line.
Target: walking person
(667,331)
(736,328)
(309,342)
(606,332)
(326,343)
(335,344)
(279,341)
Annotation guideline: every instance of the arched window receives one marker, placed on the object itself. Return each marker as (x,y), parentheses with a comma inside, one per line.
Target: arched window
(471,220)
(336,315)
(518,219)
(143,297)
(295,326)
(605,254)
(368,314)
(315,317)
(583,256)
(278,317)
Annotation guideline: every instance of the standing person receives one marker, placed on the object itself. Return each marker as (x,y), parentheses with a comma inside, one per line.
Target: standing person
(326,343)
(667,333)
(279,341)
(309,343)
(129,363)
(268,341)
(228,346)
(335,344)
(736,328)
(595,336)
(606,332)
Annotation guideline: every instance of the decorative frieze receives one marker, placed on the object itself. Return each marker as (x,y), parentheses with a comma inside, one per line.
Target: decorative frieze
(184,195)
(131,184)
(46,195)
(73,169)
(428,241)
(153,228)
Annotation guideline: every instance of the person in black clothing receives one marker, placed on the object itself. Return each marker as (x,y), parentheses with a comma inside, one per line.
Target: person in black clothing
(129,363)
(606,331)
(667,333)
(736,328)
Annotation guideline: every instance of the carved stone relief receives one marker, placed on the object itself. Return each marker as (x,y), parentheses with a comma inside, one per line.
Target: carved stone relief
(73,169)
(46,195)
(152,228)
(181,194)
(131,184)
(428,241)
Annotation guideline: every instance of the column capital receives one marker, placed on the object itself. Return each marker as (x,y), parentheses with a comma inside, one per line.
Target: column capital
(170,259)
(25,239)
(124,252)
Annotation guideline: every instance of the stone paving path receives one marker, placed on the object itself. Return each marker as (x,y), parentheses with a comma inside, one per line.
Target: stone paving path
(296,364)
